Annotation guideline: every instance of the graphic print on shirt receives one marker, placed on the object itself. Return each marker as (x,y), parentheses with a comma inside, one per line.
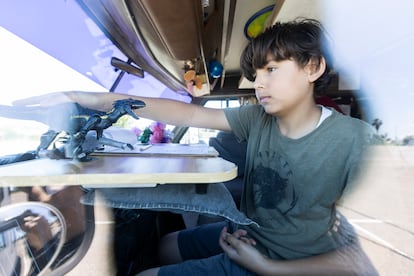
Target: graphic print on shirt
(271,186)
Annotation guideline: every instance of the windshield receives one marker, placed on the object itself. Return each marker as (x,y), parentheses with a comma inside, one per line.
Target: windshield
(61,50)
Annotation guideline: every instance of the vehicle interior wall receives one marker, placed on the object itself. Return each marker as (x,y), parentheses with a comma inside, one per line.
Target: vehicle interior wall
(168,38)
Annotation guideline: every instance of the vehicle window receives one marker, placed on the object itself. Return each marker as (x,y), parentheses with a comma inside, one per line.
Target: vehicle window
(23,77)
(192,135)
(47,58)
(148,86)
(202,135)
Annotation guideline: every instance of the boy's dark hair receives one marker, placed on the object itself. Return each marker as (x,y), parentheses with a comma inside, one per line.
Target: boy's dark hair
(301,40)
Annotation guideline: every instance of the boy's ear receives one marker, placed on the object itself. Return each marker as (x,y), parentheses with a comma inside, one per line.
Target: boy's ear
(314,71)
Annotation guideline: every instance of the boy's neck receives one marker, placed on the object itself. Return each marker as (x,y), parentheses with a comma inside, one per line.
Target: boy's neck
(298,124)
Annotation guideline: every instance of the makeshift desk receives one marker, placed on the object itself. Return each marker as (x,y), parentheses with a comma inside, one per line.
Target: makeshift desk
(133,170)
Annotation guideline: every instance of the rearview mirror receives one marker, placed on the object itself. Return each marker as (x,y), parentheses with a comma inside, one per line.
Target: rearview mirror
(31,237)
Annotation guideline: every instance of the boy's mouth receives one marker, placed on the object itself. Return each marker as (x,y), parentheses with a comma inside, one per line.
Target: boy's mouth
(264,99)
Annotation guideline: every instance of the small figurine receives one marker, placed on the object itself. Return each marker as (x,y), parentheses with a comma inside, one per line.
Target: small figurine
(145,136)
(193,80)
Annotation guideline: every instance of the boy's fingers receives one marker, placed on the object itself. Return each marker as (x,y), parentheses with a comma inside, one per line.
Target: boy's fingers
(239,233)
(248,241)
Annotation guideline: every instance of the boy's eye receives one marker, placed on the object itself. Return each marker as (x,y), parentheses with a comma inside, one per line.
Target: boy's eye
(271,69)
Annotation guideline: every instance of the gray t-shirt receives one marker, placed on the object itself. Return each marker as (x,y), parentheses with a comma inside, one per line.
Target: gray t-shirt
(291,186)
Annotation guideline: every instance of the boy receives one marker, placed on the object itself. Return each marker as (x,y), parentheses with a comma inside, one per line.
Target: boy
(300,158)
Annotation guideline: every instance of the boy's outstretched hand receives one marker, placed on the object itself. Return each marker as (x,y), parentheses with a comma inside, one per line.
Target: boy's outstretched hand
(241,249)
(46,99)
(87,99)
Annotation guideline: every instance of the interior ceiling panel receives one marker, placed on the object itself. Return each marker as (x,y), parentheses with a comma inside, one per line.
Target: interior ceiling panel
(161,35)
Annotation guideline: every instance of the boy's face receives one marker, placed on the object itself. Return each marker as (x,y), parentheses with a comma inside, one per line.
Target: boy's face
(283,87)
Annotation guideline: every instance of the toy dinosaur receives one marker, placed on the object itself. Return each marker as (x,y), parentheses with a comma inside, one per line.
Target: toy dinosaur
(69,124)
(99,121)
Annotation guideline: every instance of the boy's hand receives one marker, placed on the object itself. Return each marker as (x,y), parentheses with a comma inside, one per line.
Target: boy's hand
(49,99)
(86,99)
(241,249)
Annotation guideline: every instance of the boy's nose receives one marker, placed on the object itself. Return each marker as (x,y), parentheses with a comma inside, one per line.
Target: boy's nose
(257,84)
(258,80)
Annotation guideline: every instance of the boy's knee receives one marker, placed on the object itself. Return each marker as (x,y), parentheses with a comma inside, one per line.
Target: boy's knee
(169,252)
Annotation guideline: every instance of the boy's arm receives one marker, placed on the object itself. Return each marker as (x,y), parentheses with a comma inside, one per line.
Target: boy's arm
(350,260)
(157,109)
(183,114)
